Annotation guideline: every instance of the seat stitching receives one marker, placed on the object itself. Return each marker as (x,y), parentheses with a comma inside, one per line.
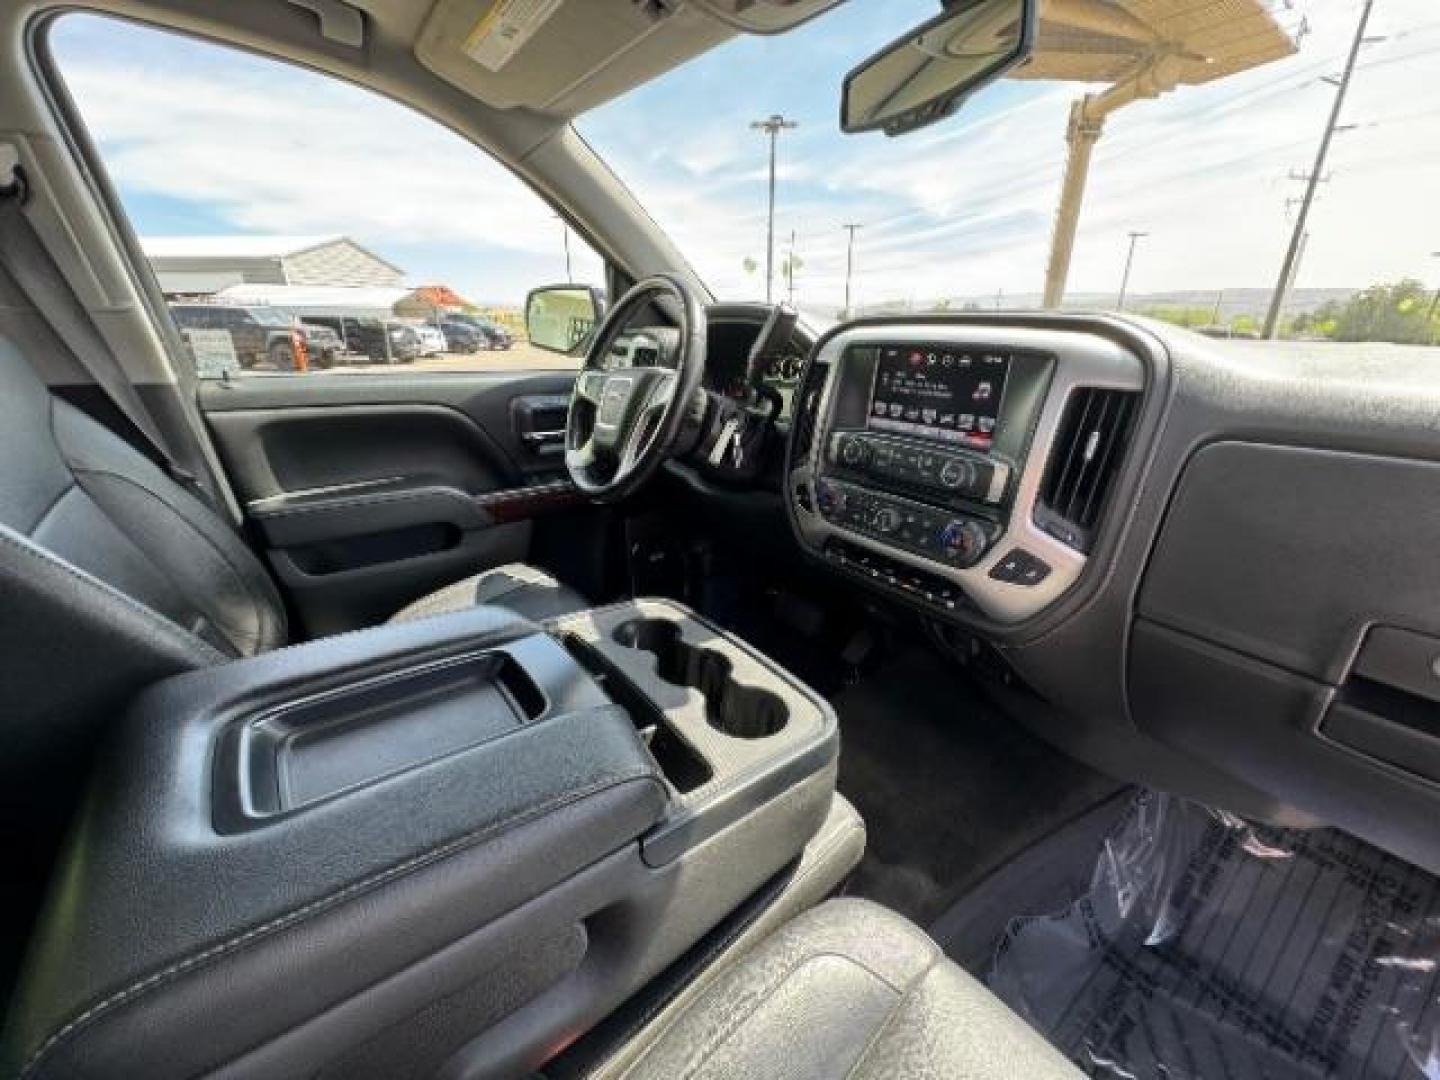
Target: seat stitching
(317,906)
(235,572)
(895,1011)
(109,592)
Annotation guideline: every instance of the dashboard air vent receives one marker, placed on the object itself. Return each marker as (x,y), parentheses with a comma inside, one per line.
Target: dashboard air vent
(805,414)
(1086,458)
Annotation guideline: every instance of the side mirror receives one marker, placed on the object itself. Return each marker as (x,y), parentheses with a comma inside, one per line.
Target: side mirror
(927,74)
(562,318)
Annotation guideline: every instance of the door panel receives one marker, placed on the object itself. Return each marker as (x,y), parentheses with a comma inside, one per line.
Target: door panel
(369,491)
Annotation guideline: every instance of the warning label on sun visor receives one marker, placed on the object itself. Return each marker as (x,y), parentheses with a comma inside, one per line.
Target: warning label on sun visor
(505,29)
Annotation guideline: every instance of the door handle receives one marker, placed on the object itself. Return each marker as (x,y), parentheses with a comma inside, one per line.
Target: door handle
(543,438)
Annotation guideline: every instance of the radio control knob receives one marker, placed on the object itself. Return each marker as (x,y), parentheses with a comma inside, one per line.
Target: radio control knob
(956,474)
(963,541)
(855,453)
(830,497)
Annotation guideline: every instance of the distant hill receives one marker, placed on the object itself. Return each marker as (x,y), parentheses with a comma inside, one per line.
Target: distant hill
(1233,302)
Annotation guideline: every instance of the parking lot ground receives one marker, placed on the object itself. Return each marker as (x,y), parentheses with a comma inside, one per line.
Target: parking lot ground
(522,356)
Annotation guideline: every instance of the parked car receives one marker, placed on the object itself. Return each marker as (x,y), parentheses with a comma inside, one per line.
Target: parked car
(495,335)
(364,338)
(264,338)
(322,344)
(464,338)
(432,339)
(405,343)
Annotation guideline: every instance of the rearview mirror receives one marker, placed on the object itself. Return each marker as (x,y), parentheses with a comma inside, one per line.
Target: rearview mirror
(928,73)
(562,318)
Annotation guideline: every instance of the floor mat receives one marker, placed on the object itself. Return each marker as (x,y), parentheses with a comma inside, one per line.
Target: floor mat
(1209,948)
(949,788)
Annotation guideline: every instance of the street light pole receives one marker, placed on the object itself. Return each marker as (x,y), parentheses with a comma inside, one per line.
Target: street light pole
(849,262)
(1135,237)
(772,127)
(1313,181)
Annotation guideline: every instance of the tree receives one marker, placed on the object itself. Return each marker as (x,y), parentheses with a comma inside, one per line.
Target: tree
(1398,312)
(1180,316)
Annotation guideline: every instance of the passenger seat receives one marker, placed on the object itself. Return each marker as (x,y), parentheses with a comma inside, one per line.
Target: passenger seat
(847,990)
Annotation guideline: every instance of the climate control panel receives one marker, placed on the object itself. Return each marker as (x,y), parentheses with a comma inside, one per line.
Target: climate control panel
(924,467)
(956,539)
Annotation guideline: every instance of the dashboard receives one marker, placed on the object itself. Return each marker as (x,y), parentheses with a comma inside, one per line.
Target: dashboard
(1202,566)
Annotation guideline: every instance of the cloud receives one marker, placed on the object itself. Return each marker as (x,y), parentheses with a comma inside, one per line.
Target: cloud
(270,149)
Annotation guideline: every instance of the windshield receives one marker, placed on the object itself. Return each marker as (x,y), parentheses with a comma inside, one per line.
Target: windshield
(1189,209)
(271,317)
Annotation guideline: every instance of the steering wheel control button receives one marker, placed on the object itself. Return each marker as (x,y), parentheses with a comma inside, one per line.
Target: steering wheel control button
(1019,567)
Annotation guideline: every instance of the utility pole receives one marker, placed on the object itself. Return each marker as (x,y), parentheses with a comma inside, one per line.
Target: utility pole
(849,261)
(1215,315)
(1135,237)
(1287,269)
(772,127)
(790,270)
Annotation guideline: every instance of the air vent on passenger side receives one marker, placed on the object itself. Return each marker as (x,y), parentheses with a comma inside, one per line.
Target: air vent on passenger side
(1084,461)
(805,415)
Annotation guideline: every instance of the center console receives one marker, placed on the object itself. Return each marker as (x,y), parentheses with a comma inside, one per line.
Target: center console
(441,846)
(961,467)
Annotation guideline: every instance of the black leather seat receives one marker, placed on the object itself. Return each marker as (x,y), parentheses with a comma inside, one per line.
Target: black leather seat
(847,990)
(72,488)
(113,576)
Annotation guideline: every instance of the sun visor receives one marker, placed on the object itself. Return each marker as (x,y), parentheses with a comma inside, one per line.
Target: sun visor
(560,57)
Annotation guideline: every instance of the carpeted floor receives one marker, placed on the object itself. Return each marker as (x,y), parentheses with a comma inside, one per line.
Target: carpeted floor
(949,789)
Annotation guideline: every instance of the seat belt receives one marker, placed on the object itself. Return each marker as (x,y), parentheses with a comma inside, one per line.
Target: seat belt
(30,265)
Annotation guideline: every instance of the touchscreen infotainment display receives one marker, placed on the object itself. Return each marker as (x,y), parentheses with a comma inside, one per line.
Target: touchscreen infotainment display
(939,392)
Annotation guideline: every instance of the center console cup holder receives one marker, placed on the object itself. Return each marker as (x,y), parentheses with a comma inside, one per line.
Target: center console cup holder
(731,708)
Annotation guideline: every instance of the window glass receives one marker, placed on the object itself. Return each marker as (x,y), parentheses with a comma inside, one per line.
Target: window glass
(309,224)
(1197,205)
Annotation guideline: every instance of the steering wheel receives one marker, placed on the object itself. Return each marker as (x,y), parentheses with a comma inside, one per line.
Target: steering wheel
(622,424)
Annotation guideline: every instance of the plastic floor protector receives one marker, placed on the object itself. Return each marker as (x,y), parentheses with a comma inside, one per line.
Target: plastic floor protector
(1210,948)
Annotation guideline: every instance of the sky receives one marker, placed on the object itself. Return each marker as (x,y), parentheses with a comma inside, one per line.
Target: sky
(201,140)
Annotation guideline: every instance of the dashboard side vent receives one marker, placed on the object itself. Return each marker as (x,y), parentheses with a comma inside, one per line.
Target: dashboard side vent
(1084,462)
(806,412)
